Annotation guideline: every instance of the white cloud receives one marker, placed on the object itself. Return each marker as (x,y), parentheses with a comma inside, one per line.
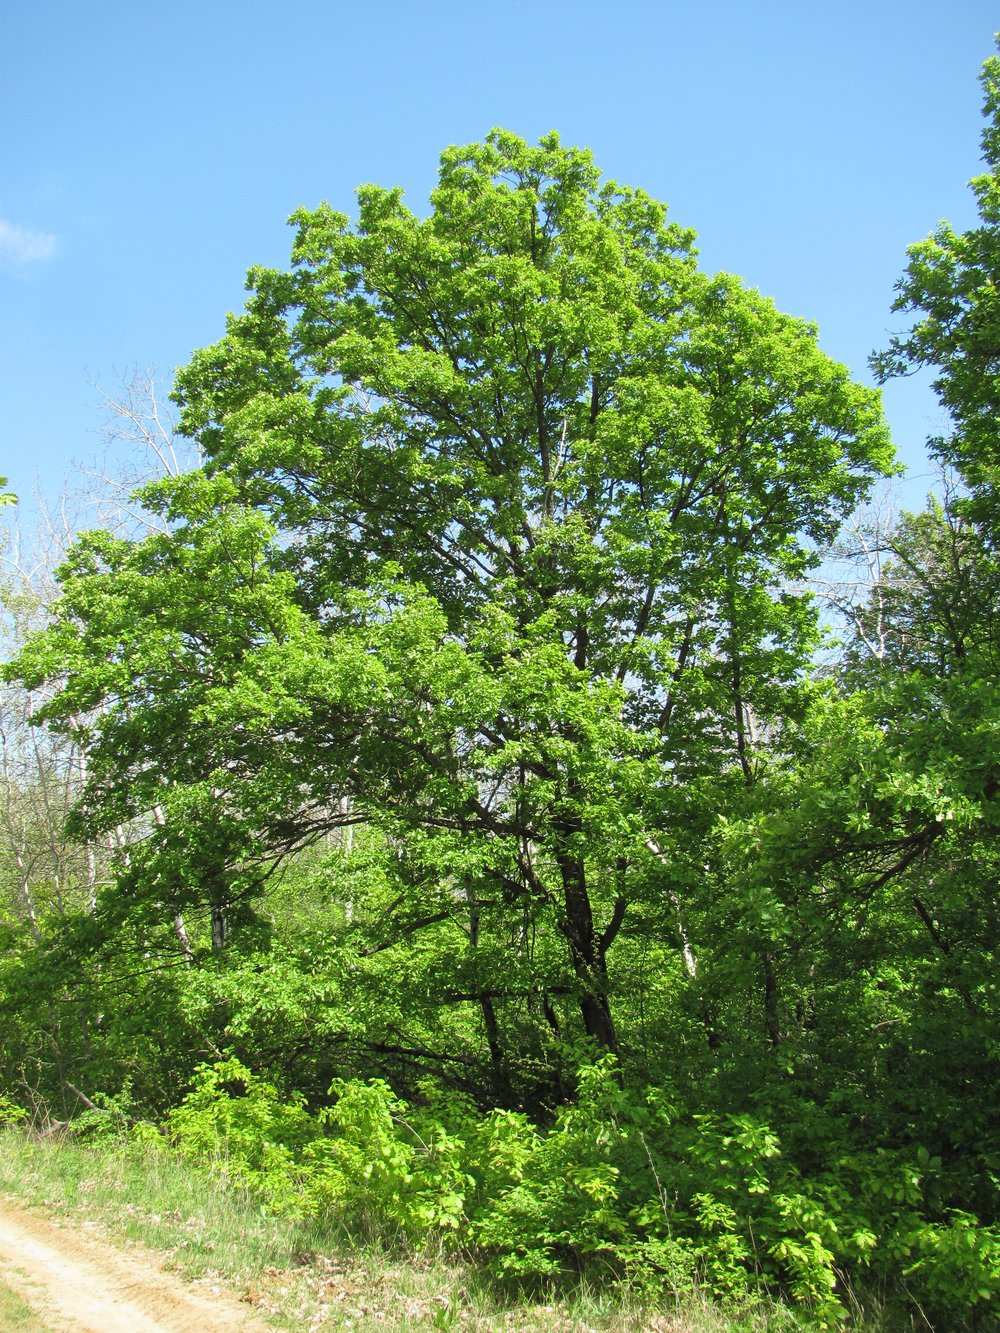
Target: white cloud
(18,245)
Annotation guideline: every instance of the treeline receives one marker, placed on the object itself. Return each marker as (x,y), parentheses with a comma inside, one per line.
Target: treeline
(437,797)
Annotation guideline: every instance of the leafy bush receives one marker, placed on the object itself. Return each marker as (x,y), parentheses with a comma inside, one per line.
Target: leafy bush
(240,1124)
(376,1168)
(10,1112)
(619,1182)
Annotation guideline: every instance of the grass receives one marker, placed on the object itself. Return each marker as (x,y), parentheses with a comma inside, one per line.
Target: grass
(299,1276)
(16,1316)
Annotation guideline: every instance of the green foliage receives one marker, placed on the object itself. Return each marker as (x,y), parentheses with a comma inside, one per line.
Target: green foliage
(958,1261)
(385,1167)
(10,1112)
(476,810)
(365,1162)
(238,1123)
(623,1184)
(109,1118)
(563,1201)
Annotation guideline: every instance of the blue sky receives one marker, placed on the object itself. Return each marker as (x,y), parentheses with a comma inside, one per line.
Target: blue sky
(150,154)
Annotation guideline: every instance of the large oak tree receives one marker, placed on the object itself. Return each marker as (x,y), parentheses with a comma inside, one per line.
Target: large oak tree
(495,547)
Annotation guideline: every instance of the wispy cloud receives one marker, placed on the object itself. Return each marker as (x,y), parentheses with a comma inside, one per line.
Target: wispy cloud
(18,245)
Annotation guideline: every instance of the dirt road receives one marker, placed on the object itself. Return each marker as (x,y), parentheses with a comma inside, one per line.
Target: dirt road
(80,1284)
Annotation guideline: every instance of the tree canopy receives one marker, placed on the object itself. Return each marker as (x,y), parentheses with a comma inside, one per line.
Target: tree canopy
(495,548)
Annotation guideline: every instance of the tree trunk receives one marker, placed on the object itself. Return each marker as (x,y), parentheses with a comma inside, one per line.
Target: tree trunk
(219,928)
(501,1083)
(771,1022)
(586,953)
(180,930)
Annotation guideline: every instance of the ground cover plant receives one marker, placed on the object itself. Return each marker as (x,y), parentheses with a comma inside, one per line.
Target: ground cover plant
(463,848)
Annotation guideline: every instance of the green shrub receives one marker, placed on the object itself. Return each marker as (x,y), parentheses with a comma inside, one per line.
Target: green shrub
(376,1168)
(10,1112)
(619,1183)
(239,1124)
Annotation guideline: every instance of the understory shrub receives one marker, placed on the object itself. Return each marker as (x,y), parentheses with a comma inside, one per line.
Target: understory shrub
(619,1181)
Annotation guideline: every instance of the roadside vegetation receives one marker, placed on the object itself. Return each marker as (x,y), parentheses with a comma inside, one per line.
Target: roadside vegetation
(308,1273)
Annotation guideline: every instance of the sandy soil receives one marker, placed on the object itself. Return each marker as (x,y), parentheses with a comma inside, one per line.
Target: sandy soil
(81,1284)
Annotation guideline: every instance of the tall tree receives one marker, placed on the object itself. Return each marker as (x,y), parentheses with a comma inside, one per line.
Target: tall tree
(877,849)
(493,550)
(939,600)
(952,286)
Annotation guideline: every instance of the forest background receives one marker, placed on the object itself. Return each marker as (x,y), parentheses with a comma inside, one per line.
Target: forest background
(445,794)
